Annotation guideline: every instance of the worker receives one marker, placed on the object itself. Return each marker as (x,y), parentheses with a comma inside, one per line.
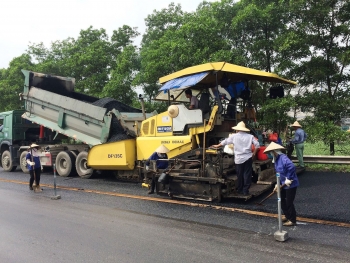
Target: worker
(193,99)
(160,153)
(274,137)
(298,141)
(34,165)
(288,177)
(242,142)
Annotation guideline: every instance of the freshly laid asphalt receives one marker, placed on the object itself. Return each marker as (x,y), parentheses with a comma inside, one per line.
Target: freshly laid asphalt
(311,197)
(321,195)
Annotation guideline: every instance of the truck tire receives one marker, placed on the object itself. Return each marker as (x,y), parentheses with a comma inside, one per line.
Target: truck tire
(65,163)
(23,162)
(81,165)
(7,162)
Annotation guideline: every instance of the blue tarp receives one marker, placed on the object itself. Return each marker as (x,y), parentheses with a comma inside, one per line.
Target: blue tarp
(184,82)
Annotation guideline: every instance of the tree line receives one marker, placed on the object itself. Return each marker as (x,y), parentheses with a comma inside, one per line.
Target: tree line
(304,40)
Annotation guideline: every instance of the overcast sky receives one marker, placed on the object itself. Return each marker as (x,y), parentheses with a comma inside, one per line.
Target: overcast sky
(34,21)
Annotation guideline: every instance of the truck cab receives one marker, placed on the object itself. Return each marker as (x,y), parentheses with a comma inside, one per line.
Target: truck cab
(16,134)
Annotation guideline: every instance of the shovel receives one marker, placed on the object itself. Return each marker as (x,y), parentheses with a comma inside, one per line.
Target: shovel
(267,197)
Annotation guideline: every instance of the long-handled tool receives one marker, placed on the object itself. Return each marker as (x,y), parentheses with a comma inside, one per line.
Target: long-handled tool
(267,197)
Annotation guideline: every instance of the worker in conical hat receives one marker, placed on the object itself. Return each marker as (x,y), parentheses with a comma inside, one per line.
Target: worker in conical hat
(34,166)
(242,142)
(160,156)
(298,141)
(285,167)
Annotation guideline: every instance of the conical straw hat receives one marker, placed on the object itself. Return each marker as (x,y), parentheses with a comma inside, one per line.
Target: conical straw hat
(273,146)
(240,127)
(173,111)
(296,124)
(162,149)
(34,146)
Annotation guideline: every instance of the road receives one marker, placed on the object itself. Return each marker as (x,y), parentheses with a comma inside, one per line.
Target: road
(94,227)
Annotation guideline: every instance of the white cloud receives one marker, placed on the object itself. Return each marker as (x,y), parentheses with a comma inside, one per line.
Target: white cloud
(35,21)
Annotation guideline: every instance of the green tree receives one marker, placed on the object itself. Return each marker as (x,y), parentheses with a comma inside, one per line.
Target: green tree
(154,62)
(89,58)
(325,26)
(12,81)
(277,120)
(259,30)
(120,84)
(175,40)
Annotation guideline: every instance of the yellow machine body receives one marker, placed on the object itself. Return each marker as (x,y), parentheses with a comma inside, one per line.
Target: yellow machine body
(158,130)
(177,145)
(113,156)
(159,125)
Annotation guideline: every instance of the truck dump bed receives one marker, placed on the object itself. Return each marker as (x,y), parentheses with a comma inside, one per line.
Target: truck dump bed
(52,102)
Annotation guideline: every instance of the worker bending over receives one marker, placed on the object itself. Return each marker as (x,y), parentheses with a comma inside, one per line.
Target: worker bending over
(160,153)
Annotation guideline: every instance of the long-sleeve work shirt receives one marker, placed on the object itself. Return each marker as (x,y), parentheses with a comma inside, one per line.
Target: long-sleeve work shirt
(285,167)
(242,142)
(299,136)
(160,163)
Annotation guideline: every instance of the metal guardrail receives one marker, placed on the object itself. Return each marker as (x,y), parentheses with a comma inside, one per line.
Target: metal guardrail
(324,159)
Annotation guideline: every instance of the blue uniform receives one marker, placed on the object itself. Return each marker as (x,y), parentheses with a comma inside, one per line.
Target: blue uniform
(299,136)
(287,170)
(34,171)
(160,164)
(36,159)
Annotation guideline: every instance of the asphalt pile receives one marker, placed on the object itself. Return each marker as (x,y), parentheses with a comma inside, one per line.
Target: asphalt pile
(117,132)
(111,104)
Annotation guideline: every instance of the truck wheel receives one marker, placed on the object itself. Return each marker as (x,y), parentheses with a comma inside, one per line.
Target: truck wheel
(7,163)
(65,162)
(83,170)
(23,162)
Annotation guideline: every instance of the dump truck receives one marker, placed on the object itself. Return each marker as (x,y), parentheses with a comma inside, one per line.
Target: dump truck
(71,123)
(122,141)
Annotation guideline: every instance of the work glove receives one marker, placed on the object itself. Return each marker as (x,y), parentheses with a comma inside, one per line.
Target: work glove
(288,182)
(32,163)
(147,167)
(275,189)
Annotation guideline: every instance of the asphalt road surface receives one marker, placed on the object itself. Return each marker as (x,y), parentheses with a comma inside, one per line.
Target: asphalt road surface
(93,227)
